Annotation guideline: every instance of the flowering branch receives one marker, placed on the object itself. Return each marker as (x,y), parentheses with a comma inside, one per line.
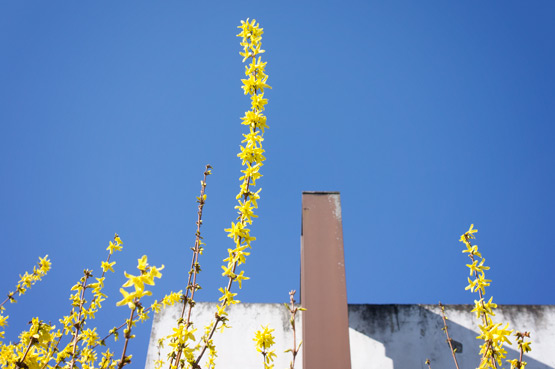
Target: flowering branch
(25,282)
(523,347)
(492,350)
(264,340)
(79,323)
(132,299)
(124,360)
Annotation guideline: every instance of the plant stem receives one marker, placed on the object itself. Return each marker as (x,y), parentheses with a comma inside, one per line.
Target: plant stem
(229,284)
(122,361)
(293,310)
(78,323)
(447,334)
(192,282)
(20,363)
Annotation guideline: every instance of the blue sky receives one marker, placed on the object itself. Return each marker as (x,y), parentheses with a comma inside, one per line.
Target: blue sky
(426,116)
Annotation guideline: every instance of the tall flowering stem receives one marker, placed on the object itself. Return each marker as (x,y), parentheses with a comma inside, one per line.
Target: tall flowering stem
(492,334)
(447,334)
(252,157)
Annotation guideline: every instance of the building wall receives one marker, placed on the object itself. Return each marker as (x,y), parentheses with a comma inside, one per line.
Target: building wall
(404,336)
(381,336)
(235,346)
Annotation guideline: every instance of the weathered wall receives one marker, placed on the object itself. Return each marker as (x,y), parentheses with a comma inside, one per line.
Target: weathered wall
(404,336)
(381,336)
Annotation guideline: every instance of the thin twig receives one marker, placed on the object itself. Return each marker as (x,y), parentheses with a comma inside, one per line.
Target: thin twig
(447,334)
(9,298)
(192,282)
(124,360)
(79,323)
(293,310)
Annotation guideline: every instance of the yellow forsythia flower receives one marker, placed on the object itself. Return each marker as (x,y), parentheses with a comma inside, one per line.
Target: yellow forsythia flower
(264,340)
(147,276)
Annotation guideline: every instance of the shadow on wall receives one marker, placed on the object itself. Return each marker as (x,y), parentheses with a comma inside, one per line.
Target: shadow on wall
(404,336)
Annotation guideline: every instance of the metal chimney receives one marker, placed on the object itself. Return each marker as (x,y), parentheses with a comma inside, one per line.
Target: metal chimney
(323,287)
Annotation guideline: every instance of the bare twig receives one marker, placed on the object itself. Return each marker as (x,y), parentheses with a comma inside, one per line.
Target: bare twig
(447,334)
(195,268)
(293,310)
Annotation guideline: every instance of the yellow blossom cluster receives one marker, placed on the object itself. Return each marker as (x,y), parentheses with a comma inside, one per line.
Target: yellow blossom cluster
(524,347)
(494,335)
(133,301)
(33,347)
(25,282)
(148,273)
(264,340)
(180,342)
(42,345)
(181,349)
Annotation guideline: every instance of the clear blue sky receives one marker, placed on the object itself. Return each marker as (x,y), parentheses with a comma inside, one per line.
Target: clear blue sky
(426,116)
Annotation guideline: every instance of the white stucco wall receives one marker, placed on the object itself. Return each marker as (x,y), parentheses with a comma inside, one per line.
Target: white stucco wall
(381,336)
(235,346)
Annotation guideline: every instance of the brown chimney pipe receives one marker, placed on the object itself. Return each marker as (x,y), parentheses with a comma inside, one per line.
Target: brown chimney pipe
(323,287)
